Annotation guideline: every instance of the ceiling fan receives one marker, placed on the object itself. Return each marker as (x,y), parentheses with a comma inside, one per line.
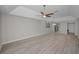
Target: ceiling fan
(44,14)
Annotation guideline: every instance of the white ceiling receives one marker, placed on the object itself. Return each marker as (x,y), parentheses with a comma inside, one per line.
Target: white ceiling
(25,12)
(7,8)
(62,9)
(32,11)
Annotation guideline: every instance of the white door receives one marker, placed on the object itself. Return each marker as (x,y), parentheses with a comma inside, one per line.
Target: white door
(71,28)
(53,28)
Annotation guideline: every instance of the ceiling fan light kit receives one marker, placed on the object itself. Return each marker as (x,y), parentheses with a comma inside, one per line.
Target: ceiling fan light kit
(44,16)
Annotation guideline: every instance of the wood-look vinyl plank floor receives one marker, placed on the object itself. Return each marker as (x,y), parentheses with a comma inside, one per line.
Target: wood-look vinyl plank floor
(52,43)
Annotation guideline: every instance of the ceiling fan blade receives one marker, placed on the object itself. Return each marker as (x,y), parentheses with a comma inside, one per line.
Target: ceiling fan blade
(42,13)
(50,14)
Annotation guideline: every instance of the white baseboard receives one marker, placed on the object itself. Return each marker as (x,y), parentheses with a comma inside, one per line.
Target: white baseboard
(22,38)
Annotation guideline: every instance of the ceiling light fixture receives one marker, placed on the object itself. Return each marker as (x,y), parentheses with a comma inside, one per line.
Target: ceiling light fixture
(44,16)
(54,24)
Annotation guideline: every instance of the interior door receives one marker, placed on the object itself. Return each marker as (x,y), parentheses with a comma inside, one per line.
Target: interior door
(71,28)
(53,28)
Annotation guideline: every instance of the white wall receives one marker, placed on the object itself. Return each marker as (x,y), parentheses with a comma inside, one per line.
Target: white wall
(63,28)
(77,28)
(0,31)
(71,27)
(74,11)
(16,28)
(43,27)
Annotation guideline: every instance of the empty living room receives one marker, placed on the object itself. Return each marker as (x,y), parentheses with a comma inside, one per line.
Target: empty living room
(39,29)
